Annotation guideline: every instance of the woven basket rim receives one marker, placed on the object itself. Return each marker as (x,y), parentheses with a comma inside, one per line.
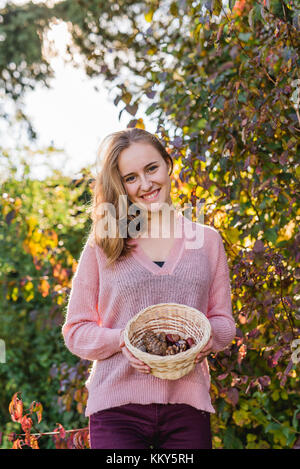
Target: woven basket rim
(158,305)
(160,358)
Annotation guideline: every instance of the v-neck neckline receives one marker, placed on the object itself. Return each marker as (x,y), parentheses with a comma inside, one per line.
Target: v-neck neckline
(172,259)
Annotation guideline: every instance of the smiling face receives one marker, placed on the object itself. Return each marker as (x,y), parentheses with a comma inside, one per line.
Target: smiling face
(144,171)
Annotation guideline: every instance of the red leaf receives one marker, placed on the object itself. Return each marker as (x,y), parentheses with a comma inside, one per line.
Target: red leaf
(258,246)
(27,438)
(222,376)
(26,423)
(233,396)
(61,430)
(264,380)
(81,439)
(78,441)
(17,444)
(16,408)
(33,442)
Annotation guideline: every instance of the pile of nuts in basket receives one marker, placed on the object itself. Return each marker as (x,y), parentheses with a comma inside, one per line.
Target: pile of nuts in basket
(165,344)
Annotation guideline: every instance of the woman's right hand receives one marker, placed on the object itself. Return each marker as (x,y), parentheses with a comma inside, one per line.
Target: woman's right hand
(135,362)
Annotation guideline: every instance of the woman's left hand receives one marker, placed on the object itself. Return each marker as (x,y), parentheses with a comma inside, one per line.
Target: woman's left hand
(205,351)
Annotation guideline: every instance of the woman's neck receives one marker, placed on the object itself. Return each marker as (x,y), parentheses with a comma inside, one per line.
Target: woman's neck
(161,224)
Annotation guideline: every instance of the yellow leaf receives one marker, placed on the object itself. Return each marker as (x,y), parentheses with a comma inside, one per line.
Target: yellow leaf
(60,300)
(232,235)
(250,211)
(28,286)
(29,297)
(226,177)
(219,218)
(18,202)
(241,417)
(32,222)
(196,32)
(44,288)
(140,124)
(33,442)
(214,389)
(249,242)
(149,16)
(14,294)
(199,191)
(286,232)
(79,408)
(251,437)
(275,395)
(29,291)
(127,97)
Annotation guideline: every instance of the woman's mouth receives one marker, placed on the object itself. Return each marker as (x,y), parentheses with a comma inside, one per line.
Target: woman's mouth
(151,196)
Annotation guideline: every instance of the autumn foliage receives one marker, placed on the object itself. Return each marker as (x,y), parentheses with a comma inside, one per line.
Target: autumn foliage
(226,103)
(70,439)
(33,300)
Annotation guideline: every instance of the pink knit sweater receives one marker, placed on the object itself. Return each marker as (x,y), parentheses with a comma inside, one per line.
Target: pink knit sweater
(102,300)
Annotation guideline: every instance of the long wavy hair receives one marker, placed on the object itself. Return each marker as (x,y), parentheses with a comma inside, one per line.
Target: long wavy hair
(107,189)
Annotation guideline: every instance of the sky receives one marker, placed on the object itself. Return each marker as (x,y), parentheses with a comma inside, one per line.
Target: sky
(71,116)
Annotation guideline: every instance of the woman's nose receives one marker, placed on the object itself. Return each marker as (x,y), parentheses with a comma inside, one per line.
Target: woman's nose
(145,184)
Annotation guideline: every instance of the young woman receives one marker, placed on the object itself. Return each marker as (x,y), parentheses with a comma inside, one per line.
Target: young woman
(132,259)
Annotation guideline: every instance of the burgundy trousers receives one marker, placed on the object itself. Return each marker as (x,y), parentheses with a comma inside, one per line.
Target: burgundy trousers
(138,426)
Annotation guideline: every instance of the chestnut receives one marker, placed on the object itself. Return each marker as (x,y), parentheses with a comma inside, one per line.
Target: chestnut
(190,341)
(172,338)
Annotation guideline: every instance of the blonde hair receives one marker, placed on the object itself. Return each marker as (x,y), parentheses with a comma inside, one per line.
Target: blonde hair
(108,187)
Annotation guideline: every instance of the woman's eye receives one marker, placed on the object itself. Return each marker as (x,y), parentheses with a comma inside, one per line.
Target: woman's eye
(149,169)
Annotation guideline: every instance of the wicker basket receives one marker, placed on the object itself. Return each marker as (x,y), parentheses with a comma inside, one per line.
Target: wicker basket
(171,318)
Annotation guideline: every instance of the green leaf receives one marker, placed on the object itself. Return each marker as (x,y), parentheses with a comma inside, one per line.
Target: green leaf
(231,441)
(271,235)
(150,109)
(201,124)
(219,104)
(242,97)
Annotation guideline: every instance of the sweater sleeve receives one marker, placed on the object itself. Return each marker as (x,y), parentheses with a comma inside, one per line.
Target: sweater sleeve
(219,305)
(82,331)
